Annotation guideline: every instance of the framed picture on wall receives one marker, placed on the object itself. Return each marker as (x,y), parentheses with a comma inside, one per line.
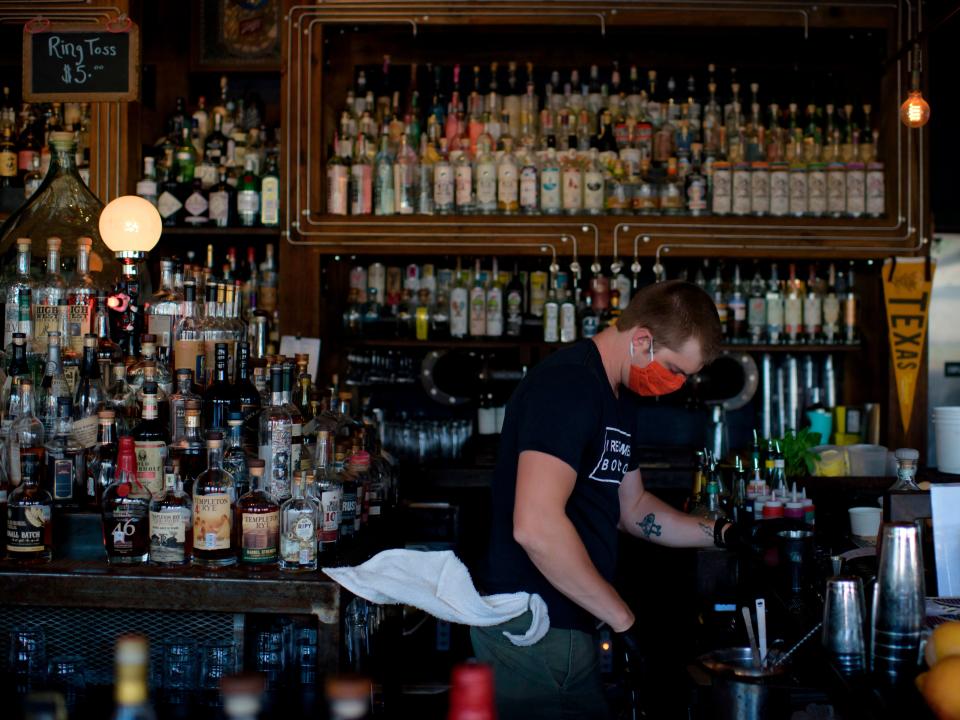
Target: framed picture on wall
(237,33)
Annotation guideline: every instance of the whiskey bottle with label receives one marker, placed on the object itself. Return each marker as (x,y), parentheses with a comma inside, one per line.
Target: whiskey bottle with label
(188,452)
(214,501)
(46,298)
(81,298)
(171,523)
(258,521)
(299,520)
(126,508)
(189,350)
(151,439)
(29,518)
(178,403)
(90,395)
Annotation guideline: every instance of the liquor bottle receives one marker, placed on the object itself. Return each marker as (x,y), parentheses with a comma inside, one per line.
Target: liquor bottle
(185,159)
(329,491)
(215,145)
(589,322)
(189,348)
(529,181)
(851,307)
(33,179)
(347,432)
(593,184)
(775,309)
(196,205)
(100,460)
(81,298)
(151,439)
(276,430)
(169,202)
(108,352)
(737,309)
(831,308)
(11,398)
(485,179)
(571,178)
(178,403)
(26,436)
(508,181)
(258,522)
(52,387)
(405,178)
(338,179)
(188,453)
(147,185)
(757,308)
(384,188)
(296,417)
(51,289)
(122,399)
(219,397)
(494,304)
(223,201)
(248,194)
(126,512)
(214,499)
(514,305)
(29,537)
(299,522)
(65,473)
(361,181)
(171,523)
(358,467)
(235,459)
(459,305)
(130,687)
(22,281)
(717,290)
(162,310)
(793,308)
(812,309)
(551,317)
(270,193)
(246,392)
(478,304)
(149,364)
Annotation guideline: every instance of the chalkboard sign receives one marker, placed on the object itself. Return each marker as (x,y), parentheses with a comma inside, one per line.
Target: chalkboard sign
(77,62)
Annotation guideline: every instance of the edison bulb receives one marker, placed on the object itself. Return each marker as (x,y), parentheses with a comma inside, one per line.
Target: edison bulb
(915,112)
(130,224)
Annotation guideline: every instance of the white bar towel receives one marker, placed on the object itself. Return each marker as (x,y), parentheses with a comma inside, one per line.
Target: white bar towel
(439,584)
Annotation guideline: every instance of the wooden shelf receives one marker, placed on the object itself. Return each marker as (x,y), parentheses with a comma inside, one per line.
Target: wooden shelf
(78,583)
(680,235)
(220,232)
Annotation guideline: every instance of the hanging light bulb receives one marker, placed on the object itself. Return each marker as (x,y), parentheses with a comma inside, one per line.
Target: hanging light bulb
(915,111)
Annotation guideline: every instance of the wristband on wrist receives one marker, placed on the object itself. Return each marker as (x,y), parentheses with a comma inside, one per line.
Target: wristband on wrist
(718,532)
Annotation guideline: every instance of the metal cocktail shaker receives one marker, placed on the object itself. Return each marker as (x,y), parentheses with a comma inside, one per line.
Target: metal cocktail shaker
(898,603)
(843,635)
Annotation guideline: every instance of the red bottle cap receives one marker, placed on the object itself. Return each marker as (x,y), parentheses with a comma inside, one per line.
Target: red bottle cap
(471,693)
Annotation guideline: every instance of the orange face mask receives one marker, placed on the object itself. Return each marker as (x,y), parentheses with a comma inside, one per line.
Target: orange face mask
(654,379)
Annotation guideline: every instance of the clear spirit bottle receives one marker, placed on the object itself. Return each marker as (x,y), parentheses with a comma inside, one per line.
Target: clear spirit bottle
(214,501)
(26,435)
(329,491)
(22,281)
(276,429)
(126,512)
(234,456)
(258,520)
(53,386)
(100,460)
(299,519)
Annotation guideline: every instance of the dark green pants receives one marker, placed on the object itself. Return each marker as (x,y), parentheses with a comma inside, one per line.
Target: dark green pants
(559,677)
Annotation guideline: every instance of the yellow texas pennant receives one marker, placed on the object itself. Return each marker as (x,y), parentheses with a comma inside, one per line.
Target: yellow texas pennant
(906,291)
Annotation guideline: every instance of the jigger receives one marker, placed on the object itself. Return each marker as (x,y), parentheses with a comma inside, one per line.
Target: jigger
(843,635)
(898,603)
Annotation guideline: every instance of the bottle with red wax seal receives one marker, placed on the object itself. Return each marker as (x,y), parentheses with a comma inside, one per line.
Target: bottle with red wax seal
(471,692)
(126,511)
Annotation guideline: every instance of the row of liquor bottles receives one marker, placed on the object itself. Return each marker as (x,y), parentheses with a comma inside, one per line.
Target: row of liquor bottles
(424,302)
(501,161)
(25,148)
(539,109)
(591,182)
(242,301)
(167,494)
(215,168)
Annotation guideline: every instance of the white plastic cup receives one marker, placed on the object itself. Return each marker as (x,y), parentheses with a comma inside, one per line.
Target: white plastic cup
(947,434)
(865,521)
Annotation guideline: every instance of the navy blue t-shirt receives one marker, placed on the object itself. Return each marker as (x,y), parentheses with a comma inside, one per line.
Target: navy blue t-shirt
(566,408)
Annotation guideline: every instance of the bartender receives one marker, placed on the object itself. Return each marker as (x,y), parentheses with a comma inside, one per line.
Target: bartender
(566,481)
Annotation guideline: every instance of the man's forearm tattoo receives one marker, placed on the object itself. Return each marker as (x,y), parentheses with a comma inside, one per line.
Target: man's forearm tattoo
(648,526)
(707,530)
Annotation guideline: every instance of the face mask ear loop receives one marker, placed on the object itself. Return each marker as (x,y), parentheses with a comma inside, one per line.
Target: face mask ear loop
(631,350)
(651,349)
